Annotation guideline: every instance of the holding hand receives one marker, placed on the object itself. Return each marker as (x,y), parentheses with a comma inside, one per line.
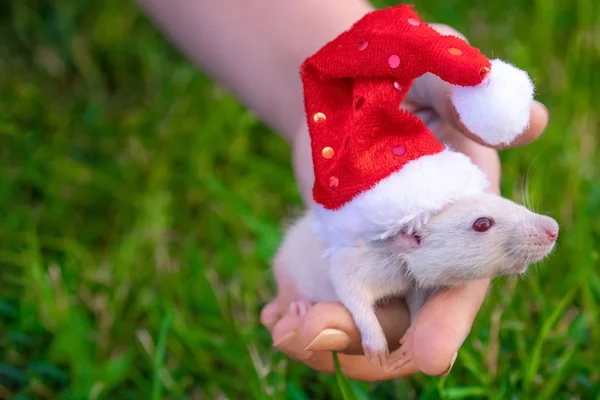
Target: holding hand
(220,37)
(442,326)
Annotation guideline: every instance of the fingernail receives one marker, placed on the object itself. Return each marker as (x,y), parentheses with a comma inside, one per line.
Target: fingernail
(543,106)
(545,109)
(454,356)
(287,338)
(286,345)
(329,340)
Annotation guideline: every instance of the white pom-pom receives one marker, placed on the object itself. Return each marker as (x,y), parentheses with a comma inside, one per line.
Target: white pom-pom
(497,110)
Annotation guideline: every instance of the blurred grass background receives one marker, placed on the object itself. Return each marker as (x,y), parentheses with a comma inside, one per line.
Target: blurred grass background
(140,206)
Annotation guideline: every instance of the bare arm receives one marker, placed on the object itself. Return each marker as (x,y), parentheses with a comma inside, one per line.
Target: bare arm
(255,47)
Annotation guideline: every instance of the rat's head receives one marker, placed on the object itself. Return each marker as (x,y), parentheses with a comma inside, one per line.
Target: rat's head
(478,236)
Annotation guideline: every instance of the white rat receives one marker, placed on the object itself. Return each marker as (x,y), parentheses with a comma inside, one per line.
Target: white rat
(477,236)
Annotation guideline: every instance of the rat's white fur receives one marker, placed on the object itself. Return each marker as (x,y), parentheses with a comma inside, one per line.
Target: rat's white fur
(499,109)
(452,252)
(447,252)
(403,200)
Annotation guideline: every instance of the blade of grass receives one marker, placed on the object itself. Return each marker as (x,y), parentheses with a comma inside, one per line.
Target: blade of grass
(551,387)
(465,392)
(161,348)
(468,360)
(342,380)
(536,355)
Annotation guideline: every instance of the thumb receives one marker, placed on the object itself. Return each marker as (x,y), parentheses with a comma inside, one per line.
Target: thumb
(429,91)
(443,325)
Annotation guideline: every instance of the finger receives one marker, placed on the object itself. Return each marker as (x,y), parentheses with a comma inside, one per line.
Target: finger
(484,157)
(443,325)
(448,30)
(329,326)
(430,91)
(285,335)
(358,367)
(290,336)
(270,314)
(537,124)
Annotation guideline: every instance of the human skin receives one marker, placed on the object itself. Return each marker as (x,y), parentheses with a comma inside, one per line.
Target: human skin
(255,48)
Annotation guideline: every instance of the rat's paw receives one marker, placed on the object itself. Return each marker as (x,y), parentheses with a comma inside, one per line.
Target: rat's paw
(378,357)
(403,355)
(300,307)
(376,350)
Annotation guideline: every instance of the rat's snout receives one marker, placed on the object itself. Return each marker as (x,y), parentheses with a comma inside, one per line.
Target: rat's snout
(549,227)
(552,234)
(536,241)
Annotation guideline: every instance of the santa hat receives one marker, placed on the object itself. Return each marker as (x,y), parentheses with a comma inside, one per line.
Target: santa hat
(378,169)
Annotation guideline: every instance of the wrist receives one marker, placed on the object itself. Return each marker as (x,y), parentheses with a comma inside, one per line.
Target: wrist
(302,164)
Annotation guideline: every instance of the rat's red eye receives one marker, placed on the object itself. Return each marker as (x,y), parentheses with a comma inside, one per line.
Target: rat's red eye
(483,224)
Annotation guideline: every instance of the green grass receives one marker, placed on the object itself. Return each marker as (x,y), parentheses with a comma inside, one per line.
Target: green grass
(140,207)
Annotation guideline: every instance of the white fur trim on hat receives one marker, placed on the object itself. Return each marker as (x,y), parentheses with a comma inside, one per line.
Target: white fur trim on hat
(402,200)
(497,110)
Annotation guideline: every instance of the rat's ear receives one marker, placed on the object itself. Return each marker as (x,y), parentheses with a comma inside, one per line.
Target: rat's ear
(404,243)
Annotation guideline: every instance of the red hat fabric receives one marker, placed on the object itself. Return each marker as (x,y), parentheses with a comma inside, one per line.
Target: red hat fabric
(378,169)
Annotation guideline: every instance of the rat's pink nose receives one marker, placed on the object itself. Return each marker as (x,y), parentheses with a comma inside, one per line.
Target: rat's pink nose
(552,234)
(550,228)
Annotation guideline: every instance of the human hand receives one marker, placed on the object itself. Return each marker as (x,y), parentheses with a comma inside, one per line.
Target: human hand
(445,321)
